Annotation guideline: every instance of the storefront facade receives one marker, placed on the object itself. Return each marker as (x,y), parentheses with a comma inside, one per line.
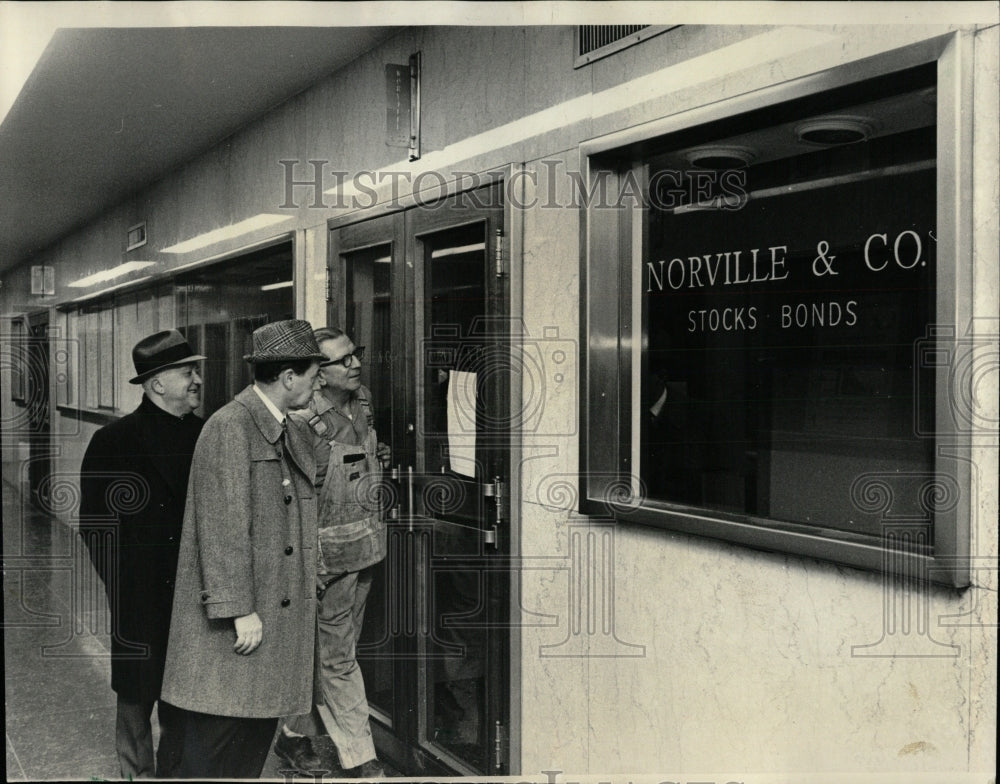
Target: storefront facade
(735,478)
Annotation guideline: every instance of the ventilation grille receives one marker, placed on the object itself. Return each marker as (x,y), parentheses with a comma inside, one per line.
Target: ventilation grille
(596,41)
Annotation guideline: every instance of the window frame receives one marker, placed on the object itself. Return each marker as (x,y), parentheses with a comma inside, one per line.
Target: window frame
(611,329)
(18,367)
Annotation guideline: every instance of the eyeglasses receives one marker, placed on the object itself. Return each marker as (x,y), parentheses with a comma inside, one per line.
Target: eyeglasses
(359,353)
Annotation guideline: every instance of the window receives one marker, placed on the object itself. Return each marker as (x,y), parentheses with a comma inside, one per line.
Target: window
(18,361)
(216,308)
(781,293)
(219,307)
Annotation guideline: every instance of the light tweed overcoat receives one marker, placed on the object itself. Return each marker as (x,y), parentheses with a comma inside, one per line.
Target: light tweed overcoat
(243,550)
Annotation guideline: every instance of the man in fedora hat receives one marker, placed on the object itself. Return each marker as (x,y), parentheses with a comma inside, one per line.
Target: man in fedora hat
(133,486)
(242,633)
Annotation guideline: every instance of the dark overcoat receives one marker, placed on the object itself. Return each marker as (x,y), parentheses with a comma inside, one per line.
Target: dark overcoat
(243,550)
(133,483)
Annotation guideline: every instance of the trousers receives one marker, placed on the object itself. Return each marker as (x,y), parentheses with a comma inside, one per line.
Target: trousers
(217,747)
(341,614)
(134,737)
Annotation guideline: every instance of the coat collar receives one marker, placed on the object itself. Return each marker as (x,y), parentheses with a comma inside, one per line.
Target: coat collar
(148,419)
(269,427)
(298,445)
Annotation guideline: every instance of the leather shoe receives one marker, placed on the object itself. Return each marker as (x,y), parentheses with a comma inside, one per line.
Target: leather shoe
(371,770)
(298,752)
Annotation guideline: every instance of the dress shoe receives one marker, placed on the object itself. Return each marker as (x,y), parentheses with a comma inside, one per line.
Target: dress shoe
(371,770)
(298,752)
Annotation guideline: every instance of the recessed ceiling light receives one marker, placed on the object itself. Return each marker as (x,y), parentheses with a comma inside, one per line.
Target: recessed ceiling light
(109,289)
(835,130)
(263,220)
(114,272)
(719,157)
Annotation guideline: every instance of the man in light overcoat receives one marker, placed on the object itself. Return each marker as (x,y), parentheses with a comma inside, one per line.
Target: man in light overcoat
(240,653)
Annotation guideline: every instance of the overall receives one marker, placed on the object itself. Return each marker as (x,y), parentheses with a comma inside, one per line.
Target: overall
(352,538)
(351,521)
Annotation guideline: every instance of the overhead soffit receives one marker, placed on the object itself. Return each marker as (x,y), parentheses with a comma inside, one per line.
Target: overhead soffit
(109,111)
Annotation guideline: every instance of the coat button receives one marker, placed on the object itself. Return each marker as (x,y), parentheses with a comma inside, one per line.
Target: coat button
(289,550)
(285,602)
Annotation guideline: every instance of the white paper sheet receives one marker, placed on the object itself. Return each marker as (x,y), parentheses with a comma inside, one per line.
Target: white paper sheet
(462,422)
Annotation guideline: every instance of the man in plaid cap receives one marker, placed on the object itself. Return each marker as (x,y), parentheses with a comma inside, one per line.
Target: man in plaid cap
(242,634)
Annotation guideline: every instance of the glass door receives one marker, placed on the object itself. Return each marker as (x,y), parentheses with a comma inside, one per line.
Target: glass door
(421,290)
(368,259)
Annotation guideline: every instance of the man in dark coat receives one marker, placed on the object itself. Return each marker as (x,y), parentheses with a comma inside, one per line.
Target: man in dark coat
(243,626)
(133,484)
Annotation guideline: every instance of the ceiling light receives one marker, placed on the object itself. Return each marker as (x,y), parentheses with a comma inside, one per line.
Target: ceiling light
(720,157)
(834,130)
(109,289)
(114,272)
(285,284)
(260,221)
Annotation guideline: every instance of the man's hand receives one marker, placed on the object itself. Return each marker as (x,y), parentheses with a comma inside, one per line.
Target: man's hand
(249,632)
(384,454)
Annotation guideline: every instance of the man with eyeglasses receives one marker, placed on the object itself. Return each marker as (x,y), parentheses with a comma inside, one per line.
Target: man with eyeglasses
(352,540)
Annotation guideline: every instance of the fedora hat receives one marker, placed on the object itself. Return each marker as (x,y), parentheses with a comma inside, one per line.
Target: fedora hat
(160,351)
(284,341)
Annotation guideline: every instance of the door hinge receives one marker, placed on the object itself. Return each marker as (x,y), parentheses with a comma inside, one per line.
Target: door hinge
(495,490)
(329,285)
(499,742)
(498,254)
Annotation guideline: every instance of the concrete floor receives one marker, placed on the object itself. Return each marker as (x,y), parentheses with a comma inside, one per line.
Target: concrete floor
(60,709)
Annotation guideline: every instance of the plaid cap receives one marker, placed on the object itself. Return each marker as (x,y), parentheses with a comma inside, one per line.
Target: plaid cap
(282,341)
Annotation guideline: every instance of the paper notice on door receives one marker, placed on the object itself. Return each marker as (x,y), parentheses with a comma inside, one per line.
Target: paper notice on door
(462,422)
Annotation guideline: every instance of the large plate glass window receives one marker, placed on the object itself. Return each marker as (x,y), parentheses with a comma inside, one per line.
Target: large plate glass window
(776,381)
(783,296)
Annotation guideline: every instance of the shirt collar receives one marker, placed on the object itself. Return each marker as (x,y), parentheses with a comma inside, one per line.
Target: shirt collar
(270,406)
(320,402)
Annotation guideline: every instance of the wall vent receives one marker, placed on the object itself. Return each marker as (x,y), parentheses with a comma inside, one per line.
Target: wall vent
(596,41)
(135,237)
